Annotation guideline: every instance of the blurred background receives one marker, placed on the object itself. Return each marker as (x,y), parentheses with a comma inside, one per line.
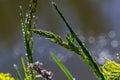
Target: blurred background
(97,23)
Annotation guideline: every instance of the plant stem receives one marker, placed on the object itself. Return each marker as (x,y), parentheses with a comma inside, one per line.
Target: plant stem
(27,25)
(90,61)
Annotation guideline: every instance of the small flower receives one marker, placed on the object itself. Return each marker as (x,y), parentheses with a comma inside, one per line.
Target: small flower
(6,76)
(47,75)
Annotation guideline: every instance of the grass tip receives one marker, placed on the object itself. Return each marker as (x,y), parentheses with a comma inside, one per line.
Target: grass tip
(53,3)
(14,65)
(20,6)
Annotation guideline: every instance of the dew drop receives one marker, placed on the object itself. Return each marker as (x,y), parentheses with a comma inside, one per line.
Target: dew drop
(117,56)
(26,54)
(14,65)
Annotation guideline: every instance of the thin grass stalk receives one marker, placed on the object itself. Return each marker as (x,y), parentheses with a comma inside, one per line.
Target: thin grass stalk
(88,58)
(57,39)
(17,72)
(26,28)
(27,25)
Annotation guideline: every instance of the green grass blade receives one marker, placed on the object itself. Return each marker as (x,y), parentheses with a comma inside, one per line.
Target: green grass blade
(63,18)
(88,58)
(62,67)
(17,72)
(24,67)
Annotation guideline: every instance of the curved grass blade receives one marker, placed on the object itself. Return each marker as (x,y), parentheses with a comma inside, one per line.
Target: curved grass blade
(89,60)
(62,67)
(17,72)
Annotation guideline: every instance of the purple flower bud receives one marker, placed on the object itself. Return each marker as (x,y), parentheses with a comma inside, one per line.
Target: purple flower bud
(47,75)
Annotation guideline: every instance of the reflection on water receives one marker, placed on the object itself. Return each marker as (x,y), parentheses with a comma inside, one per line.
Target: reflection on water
(96,22)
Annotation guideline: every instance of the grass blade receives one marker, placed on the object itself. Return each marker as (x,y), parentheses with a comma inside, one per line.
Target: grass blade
(24,67)
(62,67)
(17,72)
(88,58)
